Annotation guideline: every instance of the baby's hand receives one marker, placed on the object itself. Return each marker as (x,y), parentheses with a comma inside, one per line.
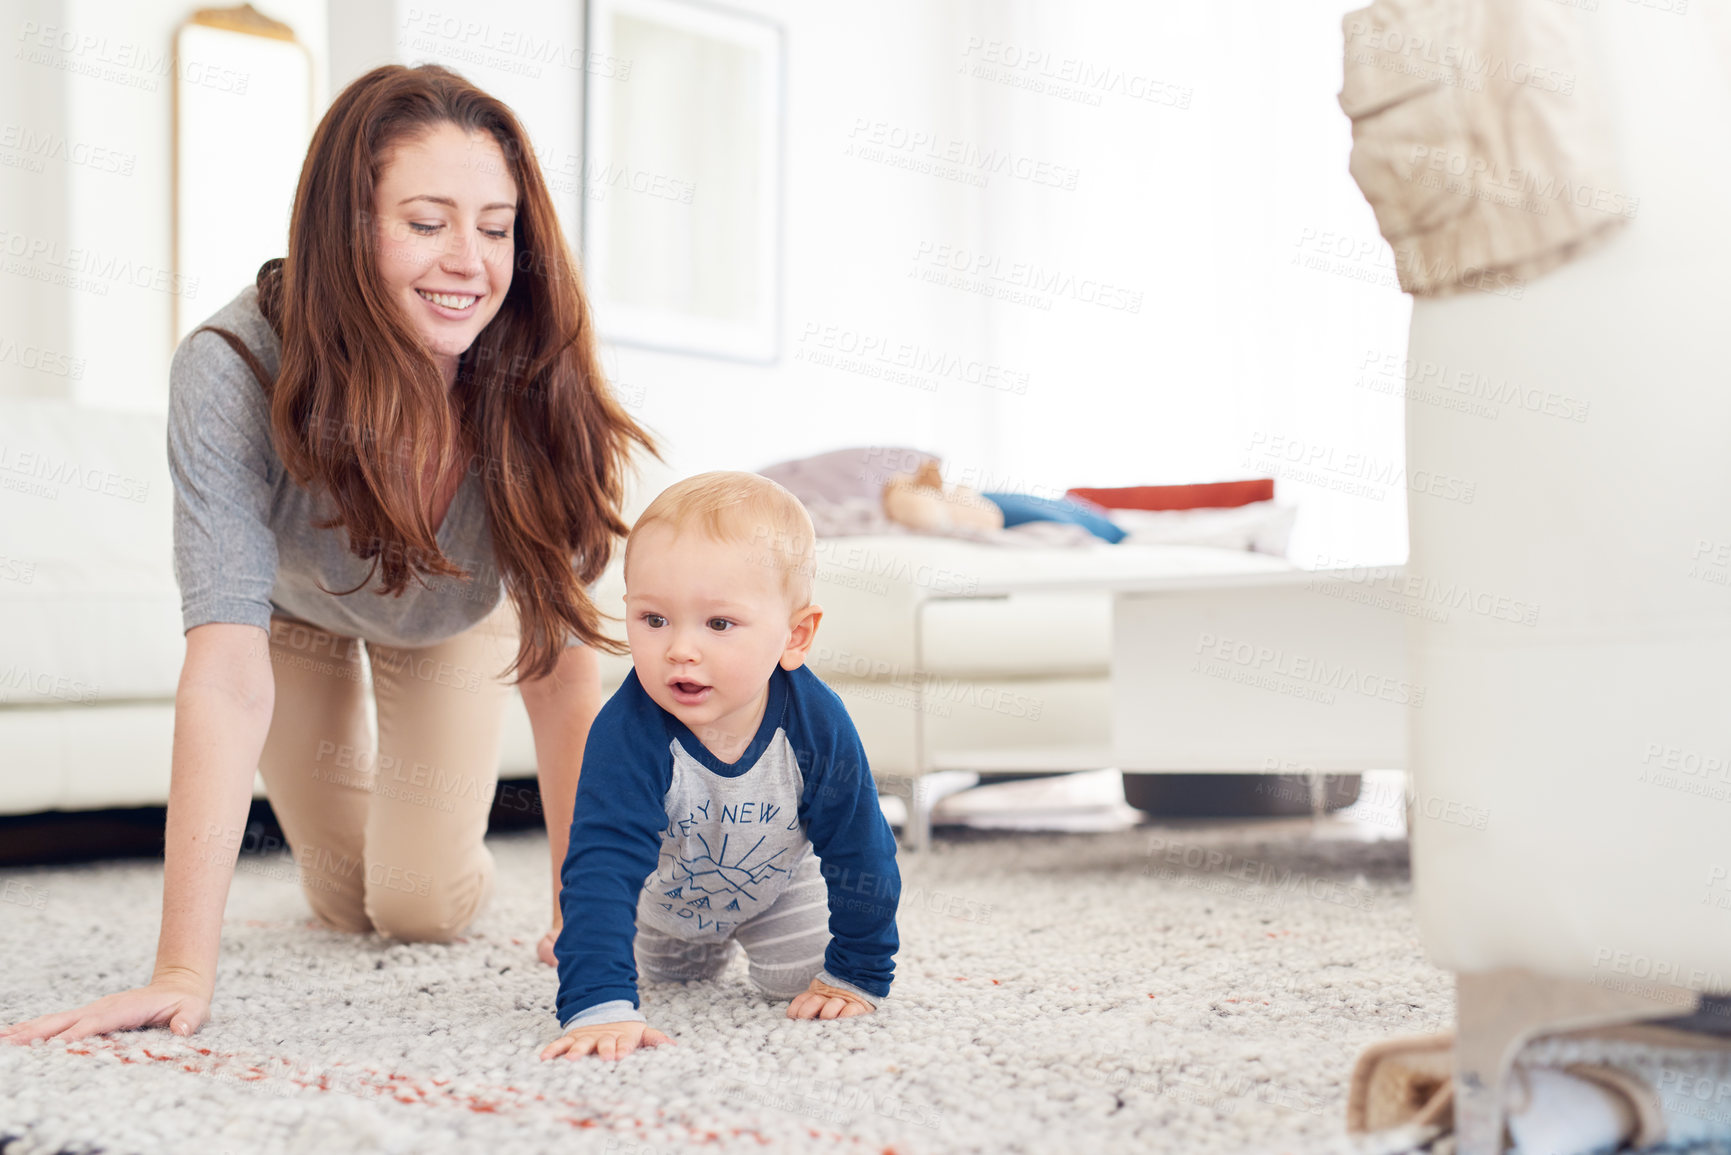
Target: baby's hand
(607,1040)
(822,1001)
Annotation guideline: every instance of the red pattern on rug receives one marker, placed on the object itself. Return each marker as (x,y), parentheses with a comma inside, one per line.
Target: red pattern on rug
(281,1076)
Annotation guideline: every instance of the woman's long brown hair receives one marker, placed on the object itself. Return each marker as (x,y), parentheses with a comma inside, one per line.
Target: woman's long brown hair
(360,410)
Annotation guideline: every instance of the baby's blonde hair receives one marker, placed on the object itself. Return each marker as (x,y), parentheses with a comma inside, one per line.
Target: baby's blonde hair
(743,508)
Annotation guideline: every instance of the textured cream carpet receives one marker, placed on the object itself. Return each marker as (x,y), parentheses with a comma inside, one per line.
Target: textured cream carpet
(1196,989)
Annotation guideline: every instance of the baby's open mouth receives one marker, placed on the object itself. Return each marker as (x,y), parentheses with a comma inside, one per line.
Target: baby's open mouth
(688,693)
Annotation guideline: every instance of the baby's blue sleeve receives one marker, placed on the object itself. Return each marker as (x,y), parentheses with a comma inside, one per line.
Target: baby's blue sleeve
(616,827)
(839,807)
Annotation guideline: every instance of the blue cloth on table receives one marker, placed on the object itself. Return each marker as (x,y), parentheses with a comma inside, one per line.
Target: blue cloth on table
(1021,507)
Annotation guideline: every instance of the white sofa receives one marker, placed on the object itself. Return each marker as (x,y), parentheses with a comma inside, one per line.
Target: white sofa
(91,645)
(90,636)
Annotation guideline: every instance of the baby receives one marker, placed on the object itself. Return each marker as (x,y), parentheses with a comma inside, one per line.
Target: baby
(725,795)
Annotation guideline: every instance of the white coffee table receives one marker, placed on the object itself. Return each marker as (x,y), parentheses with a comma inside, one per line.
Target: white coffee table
(1284,671)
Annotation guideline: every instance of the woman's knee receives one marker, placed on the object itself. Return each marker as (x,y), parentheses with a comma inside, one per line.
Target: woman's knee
(416,905)
(338,906)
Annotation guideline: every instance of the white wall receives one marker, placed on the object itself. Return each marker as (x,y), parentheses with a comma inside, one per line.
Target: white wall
(1238,352)
(89,265)
(1199,208)
(1207,157)
(36,354)
(842,217)
(848,228)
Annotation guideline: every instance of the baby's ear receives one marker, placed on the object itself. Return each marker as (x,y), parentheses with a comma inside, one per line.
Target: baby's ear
(801,631)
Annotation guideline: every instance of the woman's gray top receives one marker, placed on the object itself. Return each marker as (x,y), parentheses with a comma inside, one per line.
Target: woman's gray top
(244,544)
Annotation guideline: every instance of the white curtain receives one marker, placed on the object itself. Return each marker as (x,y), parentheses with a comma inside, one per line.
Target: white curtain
(1211,299)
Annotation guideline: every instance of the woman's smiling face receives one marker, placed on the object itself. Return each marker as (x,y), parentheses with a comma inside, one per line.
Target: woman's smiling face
(445,209)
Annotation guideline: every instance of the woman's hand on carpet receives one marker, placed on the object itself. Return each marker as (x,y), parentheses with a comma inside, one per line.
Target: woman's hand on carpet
(822,1001)
(161,1004)
(606,1040)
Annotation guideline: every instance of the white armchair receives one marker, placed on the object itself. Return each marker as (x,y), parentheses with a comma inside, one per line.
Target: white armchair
(1598,738)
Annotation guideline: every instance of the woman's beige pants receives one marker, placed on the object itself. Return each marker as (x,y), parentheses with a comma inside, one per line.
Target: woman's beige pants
(388,836)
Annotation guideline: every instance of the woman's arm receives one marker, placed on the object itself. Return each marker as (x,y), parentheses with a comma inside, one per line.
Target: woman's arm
(561,707)
(222,711)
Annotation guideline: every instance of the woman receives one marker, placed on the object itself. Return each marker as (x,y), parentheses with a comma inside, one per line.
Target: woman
(413,393)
